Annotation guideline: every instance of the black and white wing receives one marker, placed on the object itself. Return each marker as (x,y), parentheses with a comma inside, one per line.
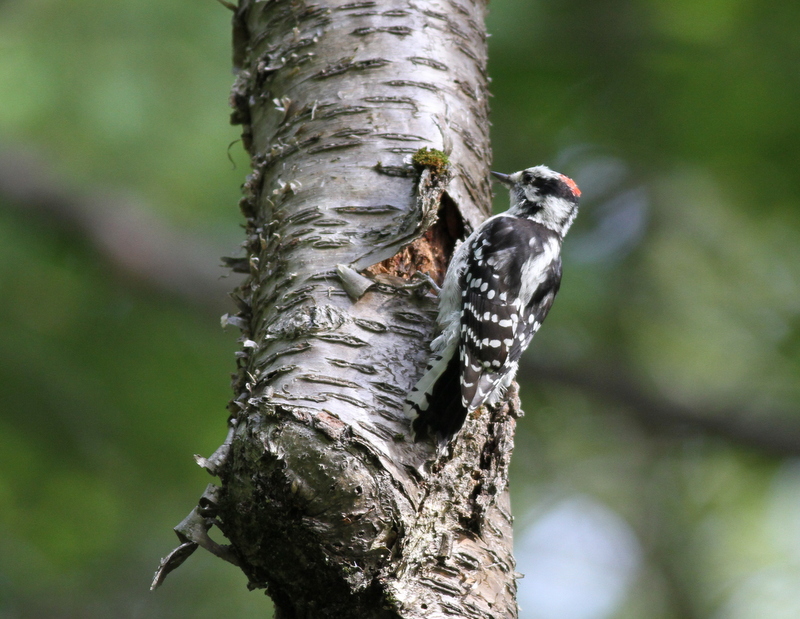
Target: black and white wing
(510,271)
(511,279)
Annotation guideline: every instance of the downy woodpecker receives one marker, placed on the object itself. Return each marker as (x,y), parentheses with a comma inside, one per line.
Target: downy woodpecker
(497,291)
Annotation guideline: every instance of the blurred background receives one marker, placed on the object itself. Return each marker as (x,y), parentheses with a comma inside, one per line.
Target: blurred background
(656,473)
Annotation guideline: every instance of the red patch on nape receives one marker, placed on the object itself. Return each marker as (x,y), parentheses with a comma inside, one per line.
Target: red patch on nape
(571,184)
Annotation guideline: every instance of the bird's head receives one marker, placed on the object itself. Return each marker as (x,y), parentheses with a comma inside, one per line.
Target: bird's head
(544,196)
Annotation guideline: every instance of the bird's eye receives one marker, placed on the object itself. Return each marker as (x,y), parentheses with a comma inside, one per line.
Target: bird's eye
(527,177)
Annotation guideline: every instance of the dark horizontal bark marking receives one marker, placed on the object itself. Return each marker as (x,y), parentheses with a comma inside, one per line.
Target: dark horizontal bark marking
(335,145)
(293,303)
(466,610)
(331,243)
(458,7)
(406,100)
(378,429)
(294,243)
(317,399)
(342,110)
(443,586)
(430,62)
(299,44)
(425,85)
(396,13)
(389,432)
(468,561)
(303,216)
(314,12)
(467,51)
(378,209)
(301,347)
(346,398)
(343,66)
(349,133)
(296,60)
(370,325)
(388,388)
(469,141)
(444,552)
(282,151)
(402,31)
(387,401)
(404,137)
(365,4)
(435,14)
(412,318)
(328,380)
(467,89)
(330,222)
(366,369)
(284,369)
(393,170)
(324,275)
(347,340)
(299,291)
(406,331)
(454,29)
(303,232)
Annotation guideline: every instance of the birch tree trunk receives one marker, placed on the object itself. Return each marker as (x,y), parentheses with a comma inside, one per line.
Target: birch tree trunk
(327,501)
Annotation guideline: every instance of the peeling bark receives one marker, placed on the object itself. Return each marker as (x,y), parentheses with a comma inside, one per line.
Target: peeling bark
(326,500)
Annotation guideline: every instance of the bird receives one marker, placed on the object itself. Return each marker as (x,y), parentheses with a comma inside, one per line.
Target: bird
(497,291)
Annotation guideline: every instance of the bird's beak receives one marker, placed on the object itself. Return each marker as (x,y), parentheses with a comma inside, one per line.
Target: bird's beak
(503,178)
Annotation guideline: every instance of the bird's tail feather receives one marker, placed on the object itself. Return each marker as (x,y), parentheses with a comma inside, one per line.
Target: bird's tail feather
(435,403)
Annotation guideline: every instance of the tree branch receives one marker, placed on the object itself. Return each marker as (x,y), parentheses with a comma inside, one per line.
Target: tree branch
(128,235)
(775,433)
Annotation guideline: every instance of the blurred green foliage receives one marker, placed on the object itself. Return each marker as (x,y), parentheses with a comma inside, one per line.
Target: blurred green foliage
(679,120)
